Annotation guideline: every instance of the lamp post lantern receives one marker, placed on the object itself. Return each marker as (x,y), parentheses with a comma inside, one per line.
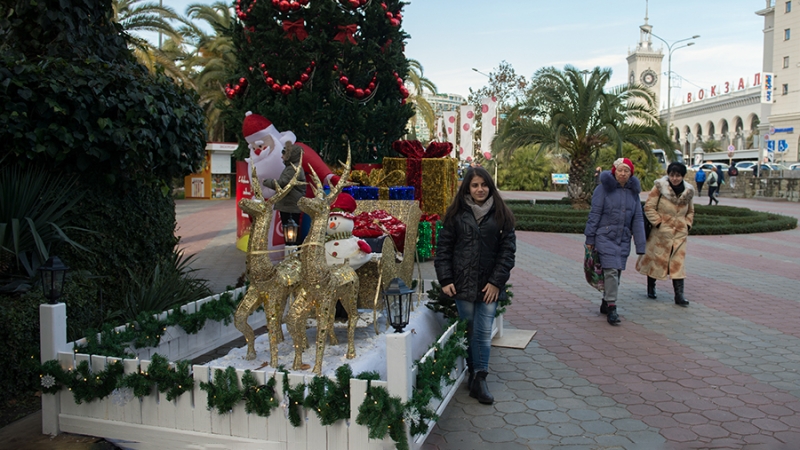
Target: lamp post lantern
(52,273)
(670,49)
(398,303)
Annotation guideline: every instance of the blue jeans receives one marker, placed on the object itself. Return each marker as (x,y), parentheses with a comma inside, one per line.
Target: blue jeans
(479,317)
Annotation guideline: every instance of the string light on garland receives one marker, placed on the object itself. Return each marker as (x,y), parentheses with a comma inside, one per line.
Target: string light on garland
(233,91)
(287,88)
(353,4)
(287,5)
(395,18)
(346,88)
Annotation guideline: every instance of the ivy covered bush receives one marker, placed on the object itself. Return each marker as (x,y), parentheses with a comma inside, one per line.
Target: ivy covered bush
(74,101)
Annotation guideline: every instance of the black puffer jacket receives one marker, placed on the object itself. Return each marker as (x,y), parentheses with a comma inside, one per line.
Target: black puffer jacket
(469,254)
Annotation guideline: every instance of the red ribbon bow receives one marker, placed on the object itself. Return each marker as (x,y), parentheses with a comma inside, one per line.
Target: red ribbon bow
(295,29)
(414,153)
(346,33)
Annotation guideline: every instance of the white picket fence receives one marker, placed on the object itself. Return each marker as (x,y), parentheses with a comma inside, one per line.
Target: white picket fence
(154,422)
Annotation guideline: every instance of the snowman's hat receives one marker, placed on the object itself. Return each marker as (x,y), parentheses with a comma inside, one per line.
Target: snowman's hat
(344,206)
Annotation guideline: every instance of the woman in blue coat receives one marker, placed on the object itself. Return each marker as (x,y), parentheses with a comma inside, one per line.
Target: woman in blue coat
(615,217)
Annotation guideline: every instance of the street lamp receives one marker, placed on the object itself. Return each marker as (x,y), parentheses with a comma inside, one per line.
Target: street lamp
(670,49)
(398,303)
(476,70)
(52,274)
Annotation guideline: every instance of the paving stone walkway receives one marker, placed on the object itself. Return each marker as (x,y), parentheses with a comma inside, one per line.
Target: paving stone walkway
(722,373)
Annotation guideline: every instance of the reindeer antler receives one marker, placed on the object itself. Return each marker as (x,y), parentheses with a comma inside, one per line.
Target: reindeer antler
(255,185)
(335,190)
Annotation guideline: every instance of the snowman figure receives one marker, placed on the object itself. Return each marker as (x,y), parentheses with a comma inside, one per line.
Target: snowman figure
(340,244)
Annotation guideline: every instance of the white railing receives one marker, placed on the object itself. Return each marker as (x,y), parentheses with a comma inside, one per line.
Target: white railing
(154,422)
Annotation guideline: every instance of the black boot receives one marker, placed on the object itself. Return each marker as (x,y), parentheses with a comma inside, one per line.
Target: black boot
(480,390)
(470,378)
(604,307)
(679,299)
(651,287)
(613,317)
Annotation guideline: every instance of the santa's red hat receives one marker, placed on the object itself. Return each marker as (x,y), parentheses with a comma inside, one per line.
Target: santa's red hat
(256,127)
(344,206)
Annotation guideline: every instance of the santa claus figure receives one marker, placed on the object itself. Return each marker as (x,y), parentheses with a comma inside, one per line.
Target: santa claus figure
(266,144)
(340,244)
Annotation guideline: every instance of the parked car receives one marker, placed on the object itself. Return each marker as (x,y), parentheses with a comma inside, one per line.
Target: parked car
(710,166)
(745,165)
(795,166)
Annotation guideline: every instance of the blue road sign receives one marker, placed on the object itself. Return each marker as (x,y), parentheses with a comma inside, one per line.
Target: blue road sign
(782,146)
(770,146)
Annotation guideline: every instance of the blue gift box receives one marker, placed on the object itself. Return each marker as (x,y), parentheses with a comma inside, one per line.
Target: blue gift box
(401,193)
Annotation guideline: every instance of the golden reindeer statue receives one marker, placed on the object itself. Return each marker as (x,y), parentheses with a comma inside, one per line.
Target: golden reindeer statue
(323,285)
(270,285)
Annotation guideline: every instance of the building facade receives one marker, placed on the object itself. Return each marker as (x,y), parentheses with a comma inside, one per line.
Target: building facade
(735,112)
(440,103)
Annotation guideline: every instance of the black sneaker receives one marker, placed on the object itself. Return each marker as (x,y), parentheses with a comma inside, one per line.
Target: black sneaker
(604,307)
(613,317)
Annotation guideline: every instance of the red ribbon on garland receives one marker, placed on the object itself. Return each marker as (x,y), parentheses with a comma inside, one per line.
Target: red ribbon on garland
(346,32)
(295,29)
(414,153)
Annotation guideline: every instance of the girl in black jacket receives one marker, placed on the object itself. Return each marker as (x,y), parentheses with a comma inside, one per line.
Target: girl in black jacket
(474,258)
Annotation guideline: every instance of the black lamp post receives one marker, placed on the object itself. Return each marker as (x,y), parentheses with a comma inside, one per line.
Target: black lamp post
(290,232)
(398,303)
(53,272)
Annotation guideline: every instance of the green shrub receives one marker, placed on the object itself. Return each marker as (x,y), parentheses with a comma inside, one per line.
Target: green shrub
(708,220)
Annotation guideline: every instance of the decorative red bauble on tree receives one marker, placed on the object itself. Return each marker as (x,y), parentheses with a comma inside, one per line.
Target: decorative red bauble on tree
(354,4)
(270,81)
(383,5)
(367,92)
(371,86)
(404,92)
(284,6)
(298,85)
(350,89)
(295,6)
(304,77)
(276,3)
(276,87)
(335,67)
(344,80)
(395,22)
(286,89)
(389,15)
(359,93)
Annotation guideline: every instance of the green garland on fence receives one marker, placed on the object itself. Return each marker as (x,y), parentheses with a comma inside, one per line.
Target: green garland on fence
(380,413)
(294,399)
(223,390)
(258,399)
(438,302)
(172,381)
(146,331)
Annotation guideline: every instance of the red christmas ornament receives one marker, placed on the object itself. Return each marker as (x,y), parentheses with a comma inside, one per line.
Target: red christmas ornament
(404,92)
(395,22)
(350,89)
(359,93)
(304,77)
(335,67)
(371,86)
(276,87)
(284,6)
(367,92)
(298,85)
(389,15)
(286,89)
(270,81)
(344,80)
(263,65)
(243,80)
(354,4)
(398,16)
(276,3)
(237,88)
(295,6)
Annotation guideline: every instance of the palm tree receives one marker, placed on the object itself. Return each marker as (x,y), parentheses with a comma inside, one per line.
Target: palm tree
(214,54)
(420,84)
(565,112)
(135,16)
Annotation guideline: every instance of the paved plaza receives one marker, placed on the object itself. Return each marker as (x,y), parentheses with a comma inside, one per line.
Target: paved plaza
(722,373)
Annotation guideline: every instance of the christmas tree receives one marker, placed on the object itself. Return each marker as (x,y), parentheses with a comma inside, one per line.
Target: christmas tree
(331,71)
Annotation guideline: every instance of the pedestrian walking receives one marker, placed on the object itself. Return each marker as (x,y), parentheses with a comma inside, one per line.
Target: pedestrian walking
(615,217)
(713,186)
(670,209)
(700,178)
(292,155)
(720,177)
(733,172)
(474,256)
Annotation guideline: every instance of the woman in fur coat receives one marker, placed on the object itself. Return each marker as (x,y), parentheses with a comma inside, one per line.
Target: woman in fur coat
(615,217)
(669,208)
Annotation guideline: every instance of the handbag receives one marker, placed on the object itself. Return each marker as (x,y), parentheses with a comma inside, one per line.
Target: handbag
(592,269)
(647,225)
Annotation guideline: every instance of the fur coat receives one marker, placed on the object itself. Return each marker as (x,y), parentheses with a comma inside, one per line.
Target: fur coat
(666,247)
(615,217)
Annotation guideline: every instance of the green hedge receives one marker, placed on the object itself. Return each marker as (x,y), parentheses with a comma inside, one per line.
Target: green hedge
(708,220)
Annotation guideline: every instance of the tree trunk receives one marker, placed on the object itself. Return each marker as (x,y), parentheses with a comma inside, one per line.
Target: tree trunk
(580,187)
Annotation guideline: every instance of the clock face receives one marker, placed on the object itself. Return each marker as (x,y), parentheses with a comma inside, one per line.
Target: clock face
(632,78)
(649,78)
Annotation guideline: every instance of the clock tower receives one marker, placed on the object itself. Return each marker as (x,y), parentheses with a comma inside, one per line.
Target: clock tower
(644,63)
